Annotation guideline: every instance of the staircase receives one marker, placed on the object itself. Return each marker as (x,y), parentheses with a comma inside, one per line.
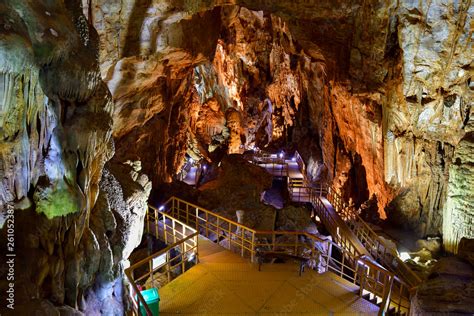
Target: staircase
(349,231)
(342,258)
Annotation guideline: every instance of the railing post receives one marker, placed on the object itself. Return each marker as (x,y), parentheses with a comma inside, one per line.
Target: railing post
(151,274)
(168,269)
(386,296)
(197,220)
(242,234)
(252,255)
(196,244)
(342,265)
(165,226)
(362,280)
(157,233)
(183,261)
(207,224)
(187,213)
(183,231)
(174,230)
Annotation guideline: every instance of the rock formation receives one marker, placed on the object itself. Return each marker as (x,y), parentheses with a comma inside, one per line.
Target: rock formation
(376,96)
(70,239)
(380,94)
(449,288)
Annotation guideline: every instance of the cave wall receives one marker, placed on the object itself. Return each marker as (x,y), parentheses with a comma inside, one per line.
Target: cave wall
(71,240)
(458,216)
(370,89)
(375,94)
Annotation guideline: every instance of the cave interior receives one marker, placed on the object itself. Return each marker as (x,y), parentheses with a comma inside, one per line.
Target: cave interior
(313,139)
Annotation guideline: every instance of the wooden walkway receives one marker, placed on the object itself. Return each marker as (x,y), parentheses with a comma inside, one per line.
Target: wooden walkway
(223,283)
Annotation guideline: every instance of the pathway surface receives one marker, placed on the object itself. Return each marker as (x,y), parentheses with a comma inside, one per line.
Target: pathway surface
(292,170)
(191,176)
(223,283)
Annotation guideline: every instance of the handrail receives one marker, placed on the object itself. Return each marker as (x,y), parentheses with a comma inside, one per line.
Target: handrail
(363,270)
(348,213)
(141,300)
(161,252)
(174,198)
(408,282)
(376,280)
(215,226)
(408,275)
(185,239)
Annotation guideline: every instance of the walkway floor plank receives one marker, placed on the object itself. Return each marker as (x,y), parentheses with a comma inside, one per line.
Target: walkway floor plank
(223,283)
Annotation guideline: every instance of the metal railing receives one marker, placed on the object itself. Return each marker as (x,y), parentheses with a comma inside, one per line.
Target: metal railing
(161,267)
(374,244)
(300,162)
(300,191)
(235,236)
(352,264)
(404,282)
(400,292)
(347,228)
(273,163)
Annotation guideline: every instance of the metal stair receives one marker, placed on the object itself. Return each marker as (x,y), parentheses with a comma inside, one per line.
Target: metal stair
(352,233)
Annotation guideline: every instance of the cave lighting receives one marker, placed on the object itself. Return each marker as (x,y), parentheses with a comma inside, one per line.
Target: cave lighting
(191,160)
(161,208)
(404,256)
(293,159)
(204,167)
(317,219)
(281,155)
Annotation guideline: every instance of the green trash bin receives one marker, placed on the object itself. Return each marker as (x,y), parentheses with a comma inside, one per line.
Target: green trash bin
(152,299)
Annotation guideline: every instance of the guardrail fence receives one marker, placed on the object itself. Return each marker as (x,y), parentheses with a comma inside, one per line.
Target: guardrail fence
(163,266)
(179,223)
(348,264)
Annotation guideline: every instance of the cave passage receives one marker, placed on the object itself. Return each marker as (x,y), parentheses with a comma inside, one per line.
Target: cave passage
(251,157)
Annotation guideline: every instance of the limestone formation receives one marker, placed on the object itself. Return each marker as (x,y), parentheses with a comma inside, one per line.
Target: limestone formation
(375,96)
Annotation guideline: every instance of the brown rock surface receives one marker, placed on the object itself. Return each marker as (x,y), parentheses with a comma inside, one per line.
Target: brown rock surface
(449,289)
(377,97)
(238,186)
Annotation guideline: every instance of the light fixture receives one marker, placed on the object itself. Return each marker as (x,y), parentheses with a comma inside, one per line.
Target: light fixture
(191,160)
(293,159)
(281,155)
(161,208)
(404,256)
(204,167)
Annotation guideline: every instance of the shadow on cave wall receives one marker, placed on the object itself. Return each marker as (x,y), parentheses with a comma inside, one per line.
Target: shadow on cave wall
(356,185)
(132,39)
